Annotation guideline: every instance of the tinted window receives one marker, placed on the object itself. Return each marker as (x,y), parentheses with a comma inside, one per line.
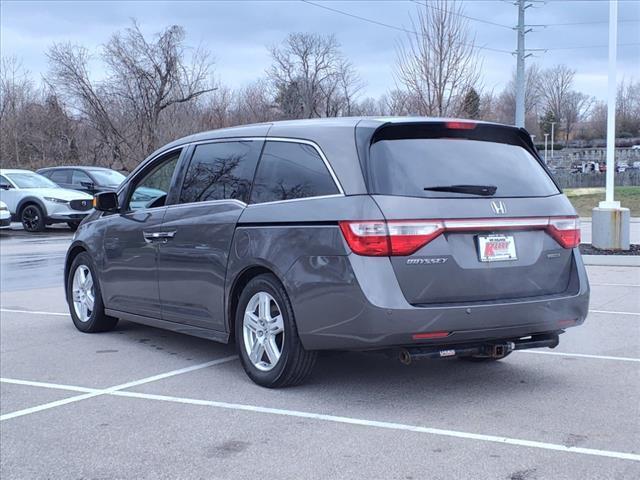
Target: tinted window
(58,176)
(408,166)
(151,189)
(5,183)
(291,170)
(78,177)
(108,178)
(220,171)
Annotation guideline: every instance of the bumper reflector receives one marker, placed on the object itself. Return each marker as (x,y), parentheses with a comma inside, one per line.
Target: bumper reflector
(429,335)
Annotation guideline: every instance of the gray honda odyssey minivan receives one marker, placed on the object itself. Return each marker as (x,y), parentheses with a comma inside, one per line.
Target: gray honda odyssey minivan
(425,238)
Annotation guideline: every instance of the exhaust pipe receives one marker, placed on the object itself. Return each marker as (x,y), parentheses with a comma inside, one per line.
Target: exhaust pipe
(404,356)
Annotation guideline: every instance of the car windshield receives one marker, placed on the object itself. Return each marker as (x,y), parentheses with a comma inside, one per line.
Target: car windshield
(108,178)
(30,180)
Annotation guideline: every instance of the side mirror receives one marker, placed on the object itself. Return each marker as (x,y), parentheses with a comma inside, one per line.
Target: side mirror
(106,202)
(88,185)
(6,186)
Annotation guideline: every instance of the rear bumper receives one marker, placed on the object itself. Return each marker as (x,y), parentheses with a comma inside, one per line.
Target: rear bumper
(357,304)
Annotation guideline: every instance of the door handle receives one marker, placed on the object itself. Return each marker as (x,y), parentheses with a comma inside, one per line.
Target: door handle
(150,237)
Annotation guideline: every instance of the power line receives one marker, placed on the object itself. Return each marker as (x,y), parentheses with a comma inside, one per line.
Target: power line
(475,19)
(588,46)
(394,27)
(588,23)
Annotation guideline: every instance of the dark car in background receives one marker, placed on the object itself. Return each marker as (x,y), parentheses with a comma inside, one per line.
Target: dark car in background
(85,179)
(428,238)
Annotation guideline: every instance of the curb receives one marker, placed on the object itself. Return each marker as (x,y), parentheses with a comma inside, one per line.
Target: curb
(612,260)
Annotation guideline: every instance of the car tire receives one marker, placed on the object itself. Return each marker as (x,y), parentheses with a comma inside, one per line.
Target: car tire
(32,218)
(267,339)
(73,225)
(83,288)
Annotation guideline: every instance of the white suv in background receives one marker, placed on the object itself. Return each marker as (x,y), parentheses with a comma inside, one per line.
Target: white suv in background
(37,202)
(5,216)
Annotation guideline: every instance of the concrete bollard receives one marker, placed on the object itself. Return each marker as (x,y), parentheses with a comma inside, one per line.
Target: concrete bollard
(610,228)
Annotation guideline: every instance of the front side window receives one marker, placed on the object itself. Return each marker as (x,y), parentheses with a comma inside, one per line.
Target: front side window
(4,183)
(107,178)
(78,178)
(289,170)
(152,189)
(219,171)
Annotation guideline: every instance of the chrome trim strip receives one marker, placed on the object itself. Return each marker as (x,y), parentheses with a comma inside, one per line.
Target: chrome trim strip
(209,202)
(319,197)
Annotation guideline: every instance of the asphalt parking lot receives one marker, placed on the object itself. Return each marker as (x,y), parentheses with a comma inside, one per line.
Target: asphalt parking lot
(140,402)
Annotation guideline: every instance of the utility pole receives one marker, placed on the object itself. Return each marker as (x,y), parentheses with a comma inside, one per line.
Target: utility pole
(521,53)
(520,66)
(553,124)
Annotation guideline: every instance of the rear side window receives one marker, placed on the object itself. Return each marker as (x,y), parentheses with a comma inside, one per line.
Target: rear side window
(289,170)
(59,176)
(409,166)
(219,171)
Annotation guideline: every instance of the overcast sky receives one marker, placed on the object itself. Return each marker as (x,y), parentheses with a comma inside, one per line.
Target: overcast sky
(237,32)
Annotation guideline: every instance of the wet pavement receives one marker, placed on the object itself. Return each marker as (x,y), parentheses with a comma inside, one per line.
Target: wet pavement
(139,402)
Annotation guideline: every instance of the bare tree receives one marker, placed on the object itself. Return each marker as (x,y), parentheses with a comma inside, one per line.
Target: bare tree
(575,108)
(16,92)
(311,78)
(144,78)
(555,86)
(438,64)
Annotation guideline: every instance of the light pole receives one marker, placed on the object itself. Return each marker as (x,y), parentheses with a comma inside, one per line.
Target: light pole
(553,125)
(546,137)
(610,224)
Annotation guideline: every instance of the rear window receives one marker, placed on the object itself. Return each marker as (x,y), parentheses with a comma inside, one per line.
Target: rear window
(407,166)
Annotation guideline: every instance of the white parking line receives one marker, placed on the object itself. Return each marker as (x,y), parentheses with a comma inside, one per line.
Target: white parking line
(97,392)
(582,355)
(11,310)
(340,419)
(613,313)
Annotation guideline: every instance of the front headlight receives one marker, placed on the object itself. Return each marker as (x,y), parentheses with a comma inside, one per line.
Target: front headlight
(55,200)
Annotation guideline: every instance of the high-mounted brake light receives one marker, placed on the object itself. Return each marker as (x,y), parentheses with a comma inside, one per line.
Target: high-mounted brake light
(460,125)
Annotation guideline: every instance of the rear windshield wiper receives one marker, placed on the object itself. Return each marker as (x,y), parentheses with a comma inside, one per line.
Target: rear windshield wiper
(484,190)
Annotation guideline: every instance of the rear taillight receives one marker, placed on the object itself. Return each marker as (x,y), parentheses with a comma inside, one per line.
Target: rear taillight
(565,231)
(407,237)
(383,239)
(367,238)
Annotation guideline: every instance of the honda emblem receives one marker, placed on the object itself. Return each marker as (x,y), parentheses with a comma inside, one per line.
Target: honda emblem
(499,208)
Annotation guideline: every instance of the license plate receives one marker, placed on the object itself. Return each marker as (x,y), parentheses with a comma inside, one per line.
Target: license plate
(496,248)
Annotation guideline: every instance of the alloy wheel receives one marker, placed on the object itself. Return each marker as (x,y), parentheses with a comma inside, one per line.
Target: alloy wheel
(83,293)
(263,331)
(30,218)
